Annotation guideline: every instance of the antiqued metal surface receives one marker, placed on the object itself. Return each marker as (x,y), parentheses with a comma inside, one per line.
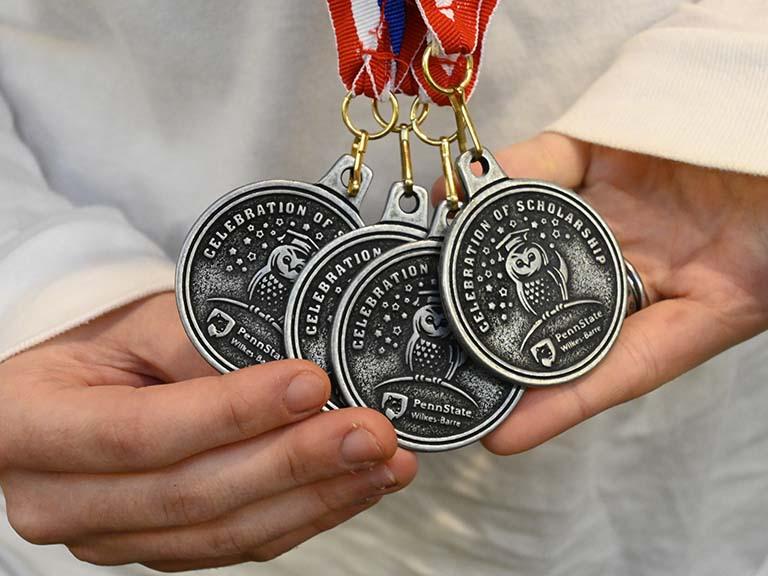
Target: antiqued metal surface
(243,255)
(392,350)
(316,294)
(532,279)
(637,296)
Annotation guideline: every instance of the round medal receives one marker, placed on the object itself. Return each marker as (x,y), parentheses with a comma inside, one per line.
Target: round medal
(393,350)
(532,279)
(243,255)
(318,289)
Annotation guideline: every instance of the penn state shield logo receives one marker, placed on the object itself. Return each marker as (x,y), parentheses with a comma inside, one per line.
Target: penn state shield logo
(544,352)
(394,405)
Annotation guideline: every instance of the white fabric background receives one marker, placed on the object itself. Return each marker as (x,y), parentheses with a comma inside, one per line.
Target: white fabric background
(124,119)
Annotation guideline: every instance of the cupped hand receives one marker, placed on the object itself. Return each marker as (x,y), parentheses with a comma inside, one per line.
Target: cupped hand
(699,239)
(119,441)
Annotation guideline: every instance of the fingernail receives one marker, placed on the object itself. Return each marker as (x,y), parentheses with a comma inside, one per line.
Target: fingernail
(305,392)
(360,447)
(381,477)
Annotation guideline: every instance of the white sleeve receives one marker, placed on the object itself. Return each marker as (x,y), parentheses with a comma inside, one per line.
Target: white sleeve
(693,88)
(62,265)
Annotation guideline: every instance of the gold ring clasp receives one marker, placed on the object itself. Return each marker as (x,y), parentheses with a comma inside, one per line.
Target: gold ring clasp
(362,137)
(429,51)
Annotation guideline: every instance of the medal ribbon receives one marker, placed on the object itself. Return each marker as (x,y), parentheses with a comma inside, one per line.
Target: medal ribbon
(380,43)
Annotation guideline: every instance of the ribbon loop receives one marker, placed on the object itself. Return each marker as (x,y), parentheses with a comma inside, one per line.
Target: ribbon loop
(380,44)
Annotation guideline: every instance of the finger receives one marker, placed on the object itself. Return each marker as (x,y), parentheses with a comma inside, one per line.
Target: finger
(50,508)
(169,353)
(273,549)
(151,337)
(253,526)
(119,428)
(656,345)
(549,156)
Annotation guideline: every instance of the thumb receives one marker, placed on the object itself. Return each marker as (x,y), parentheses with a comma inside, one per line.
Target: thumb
(549,156)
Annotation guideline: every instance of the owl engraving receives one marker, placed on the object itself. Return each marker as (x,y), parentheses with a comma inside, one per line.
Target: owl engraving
(432,353)
(540,281)
(268,289)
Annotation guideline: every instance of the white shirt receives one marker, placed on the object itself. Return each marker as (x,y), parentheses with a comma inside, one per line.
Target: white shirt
(121,121)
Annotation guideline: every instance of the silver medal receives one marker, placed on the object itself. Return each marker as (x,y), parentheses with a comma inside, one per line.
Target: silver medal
(392,350)
(242,256)
(318,289)
(532,279)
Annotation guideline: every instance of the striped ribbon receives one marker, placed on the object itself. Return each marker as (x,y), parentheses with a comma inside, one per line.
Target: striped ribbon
(380,43)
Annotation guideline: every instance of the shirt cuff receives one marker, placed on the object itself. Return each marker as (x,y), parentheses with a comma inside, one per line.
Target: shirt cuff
(71,271)
(694,95)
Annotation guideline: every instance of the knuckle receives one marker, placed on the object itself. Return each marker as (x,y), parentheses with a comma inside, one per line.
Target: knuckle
(128,440)
(226,541)
(644,364)
(88,554)
(294,468)
(29,523)
(241,412)
(264,554)
(331,498)
(186,504)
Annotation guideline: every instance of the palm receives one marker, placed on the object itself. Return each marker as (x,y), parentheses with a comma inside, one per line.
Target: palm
(695,233)
(699,239)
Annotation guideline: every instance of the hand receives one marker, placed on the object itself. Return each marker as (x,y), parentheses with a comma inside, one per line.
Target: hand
(119,441)
(698,238)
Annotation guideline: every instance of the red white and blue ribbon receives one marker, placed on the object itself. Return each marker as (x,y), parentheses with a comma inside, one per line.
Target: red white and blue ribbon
(380,43)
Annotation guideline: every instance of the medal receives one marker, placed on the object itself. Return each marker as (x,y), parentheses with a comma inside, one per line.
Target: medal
(533,280)
(393,350)
(318,289)
(244,253)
